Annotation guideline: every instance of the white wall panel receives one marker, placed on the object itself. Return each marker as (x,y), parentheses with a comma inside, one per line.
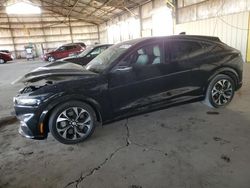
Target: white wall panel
(231,29)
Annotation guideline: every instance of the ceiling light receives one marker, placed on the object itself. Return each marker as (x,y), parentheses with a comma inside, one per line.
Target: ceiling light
(23,8)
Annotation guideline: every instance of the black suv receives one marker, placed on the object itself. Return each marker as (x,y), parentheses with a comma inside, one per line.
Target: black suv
(129,78)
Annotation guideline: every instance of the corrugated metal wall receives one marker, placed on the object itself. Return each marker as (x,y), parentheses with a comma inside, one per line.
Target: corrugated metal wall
(231,29)
(227,19)
(45,32)
(142,21)
(192,10)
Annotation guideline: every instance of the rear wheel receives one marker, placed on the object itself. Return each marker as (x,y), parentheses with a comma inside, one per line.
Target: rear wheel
(51,59)
(2,61)
(72,122)
(220,91)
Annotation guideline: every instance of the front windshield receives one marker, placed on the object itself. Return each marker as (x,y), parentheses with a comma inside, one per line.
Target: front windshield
(102,61)
(85,52)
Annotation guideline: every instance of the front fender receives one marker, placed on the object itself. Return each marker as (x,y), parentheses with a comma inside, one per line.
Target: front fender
(59,98)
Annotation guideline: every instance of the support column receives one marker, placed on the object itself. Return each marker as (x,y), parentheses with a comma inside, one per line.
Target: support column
(248,40)
(141,20)
(98,30)
(12,37)
(44,35)
(70,31)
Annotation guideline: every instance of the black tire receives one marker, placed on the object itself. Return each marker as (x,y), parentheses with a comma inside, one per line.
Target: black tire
(51,59)
(217,97)
(2,61)
(72,130)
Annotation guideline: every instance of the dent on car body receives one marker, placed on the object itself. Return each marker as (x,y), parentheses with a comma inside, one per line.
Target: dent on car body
(55,72)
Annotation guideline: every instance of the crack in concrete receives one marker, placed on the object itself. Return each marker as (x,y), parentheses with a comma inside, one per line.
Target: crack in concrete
(83,177)
(140,145)
(128,143)
(128,133)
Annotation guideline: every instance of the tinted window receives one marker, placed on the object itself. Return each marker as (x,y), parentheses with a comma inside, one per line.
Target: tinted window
(182,49)
(70,47)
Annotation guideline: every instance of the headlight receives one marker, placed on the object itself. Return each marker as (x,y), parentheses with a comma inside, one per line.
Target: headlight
(27,102)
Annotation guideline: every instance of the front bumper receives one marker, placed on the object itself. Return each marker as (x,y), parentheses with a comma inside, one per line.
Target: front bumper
(29,127)
(44,57)
(31,130)
(25,131)
(239,85)
(33,115)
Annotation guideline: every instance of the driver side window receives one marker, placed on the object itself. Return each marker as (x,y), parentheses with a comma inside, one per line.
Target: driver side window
(95,52)
(62,48)
(144,56)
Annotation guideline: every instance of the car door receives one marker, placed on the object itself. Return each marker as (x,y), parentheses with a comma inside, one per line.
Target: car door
(139,79)
(59,53)
(185,56)
(159,72)
(69,51)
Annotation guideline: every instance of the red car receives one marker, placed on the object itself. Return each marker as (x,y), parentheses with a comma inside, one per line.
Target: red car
(5,56)
(64,51)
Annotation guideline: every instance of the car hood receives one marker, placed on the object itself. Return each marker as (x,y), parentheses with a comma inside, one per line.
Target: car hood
(60,70)
(69,58)
(78,60)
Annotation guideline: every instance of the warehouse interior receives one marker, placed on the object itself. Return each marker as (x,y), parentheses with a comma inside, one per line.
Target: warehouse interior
(115,21)
(184,146)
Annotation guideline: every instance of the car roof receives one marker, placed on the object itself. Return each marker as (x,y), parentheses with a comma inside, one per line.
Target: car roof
(71,44)
(174,37)
(98,45)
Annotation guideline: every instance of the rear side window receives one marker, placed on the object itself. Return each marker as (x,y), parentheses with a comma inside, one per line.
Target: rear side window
(70,47)
(179,50)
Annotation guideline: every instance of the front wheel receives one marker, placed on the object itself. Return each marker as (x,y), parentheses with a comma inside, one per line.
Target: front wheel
(72,122)
(220,91)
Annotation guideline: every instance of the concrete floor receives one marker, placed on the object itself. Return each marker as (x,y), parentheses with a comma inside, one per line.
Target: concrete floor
(189,146)
(9,73)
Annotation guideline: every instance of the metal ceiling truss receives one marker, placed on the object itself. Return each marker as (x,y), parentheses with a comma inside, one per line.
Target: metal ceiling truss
(90,11)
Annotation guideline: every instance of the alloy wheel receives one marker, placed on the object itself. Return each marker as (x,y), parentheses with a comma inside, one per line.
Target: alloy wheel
(74,123)
(51,59)
(222,92)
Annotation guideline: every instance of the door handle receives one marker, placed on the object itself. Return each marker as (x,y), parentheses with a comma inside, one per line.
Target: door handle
(123,68)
